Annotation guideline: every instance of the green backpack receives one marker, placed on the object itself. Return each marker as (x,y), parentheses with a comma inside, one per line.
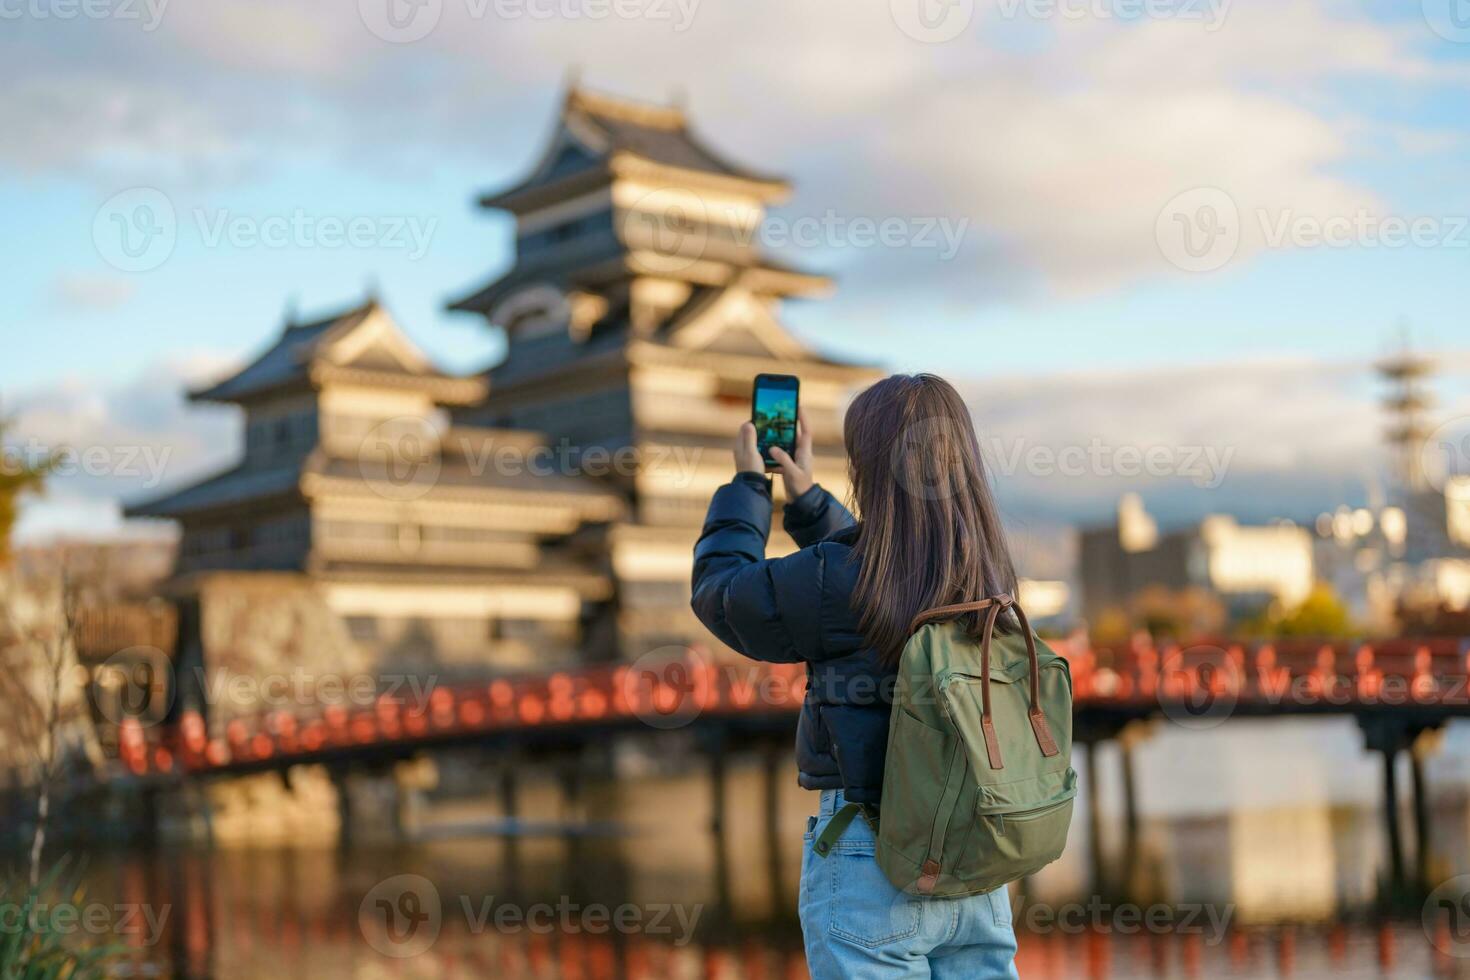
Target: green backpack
(977,785)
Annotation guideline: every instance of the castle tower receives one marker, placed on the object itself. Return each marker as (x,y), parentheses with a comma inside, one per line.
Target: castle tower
(638,310)
(366,531)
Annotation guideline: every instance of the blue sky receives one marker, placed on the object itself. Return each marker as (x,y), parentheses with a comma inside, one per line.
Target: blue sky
(1057,145)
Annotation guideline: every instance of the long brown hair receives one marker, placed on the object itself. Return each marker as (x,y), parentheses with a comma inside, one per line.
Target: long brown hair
(930,533)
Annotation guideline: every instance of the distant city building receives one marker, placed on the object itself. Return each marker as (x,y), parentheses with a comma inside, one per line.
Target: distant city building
(1245,566)
(1410,556)
(387,516)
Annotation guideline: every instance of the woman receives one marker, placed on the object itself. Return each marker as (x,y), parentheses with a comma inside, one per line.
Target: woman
(930,536)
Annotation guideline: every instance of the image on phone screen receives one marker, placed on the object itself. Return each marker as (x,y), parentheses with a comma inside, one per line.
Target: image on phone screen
(773,411)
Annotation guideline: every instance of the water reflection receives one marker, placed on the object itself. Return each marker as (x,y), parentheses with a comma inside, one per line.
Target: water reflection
(1285,892)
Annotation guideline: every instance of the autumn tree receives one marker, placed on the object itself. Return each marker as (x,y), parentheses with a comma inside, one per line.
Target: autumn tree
(18,476)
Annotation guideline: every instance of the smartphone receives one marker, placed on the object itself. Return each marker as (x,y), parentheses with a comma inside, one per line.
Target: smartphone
(773,412)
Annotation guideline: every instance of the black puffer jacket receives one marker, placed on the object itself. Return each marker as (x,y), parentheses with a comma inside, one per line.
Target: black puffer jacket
(795,609)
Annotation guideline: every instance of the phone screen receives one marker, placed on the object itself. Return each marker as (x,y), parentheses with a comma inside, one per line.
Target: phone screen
(773,411)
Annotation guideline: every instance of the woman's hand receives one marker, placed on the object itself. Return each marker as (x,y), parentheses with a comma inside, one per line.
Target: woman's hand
(747,453)
(796,473)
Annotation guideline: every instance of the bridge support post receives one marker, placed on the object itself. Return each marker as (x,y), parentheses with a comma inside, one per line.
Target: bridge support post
(148,818)
(716,748)
(509,790)
(1131,735)
(1094,818)
(510,797)
(339,777)
(1425,745)
(572,785)
(1391,817)
(1419,738)
(771,780)
(1389,737)
(717,786)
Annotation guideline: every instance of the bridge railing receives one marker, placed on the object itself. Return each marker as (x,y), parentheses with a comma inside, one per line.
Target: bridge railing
(1139,677)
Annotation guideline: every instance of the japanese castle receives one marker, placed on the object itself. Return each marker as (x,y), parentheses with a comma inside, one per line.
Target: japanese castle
(385,515)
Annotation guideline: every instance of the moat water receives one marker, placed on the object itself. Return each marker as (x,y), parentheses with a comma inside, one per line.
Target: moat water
(1274,887)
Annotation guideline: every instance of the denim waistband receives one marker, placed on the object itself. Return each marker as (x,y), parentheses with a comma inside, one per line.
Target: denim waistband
(832,801)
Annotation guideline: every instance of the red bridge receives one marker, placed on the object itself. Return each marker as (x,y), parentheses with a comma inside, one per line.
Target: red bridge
(1410,684)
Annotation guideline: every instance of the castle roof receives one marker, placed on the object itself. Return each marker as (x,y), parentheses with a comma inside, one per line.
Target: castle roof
(459,472)
(598,136)
(361,344)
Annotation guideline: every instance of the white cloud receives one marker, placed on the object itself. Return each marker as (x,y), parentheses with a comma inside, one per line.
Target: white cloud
(91,292)
(116,443)
(105,126)
(1060,155)
(1296,436)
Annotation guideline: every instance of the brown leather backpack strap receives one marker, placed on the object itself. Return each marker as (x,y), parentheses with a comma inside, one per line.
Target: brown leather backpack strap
(996,605)
(955,609)
(987,719)
(1039,724)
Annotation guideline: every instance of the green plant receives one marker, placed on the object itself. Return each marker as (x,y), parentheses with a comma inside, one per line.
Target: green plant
(1321,615)
(34,945)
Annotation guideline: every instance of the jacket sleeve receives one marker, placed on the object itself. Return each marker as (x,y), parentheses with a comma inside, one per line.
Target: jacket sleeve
(764,608)
(813,516)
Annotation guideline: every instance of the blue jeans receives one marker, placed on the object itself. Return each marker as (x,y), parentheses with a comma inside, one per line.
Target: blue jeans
(857,926)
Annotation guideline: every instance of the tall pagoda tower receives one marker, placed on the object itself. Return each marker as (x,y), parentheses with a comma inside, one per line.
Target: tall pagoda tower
(637,313)
(1407,404)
